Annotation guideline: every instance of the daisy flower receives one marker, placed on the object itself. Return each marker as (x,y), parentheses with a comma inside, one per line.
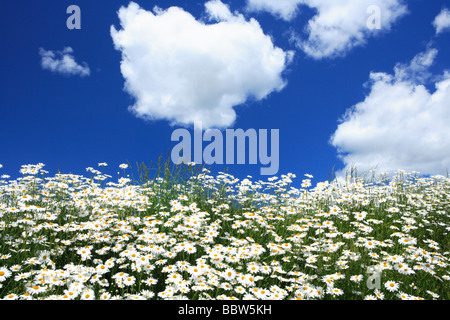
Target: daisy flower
(225,286)
(195,271)
(15,268)
(150,281)
(121,275)
(393,209)
(264,269)
(229,274)
(105,296)
(147,294)
(379,294)
(406,270)
(11,296)
(32,261)
(360,215)
(101,269)
(369,244)
(84,253)
(87,294)
(357,278)
(36,289)
(395,258)
(349,235)
(335,291)
(71,294)
(262,294)
(373,255)
(44,257)
(174,277)
(404,296)
(249,296)
(240,290)
(391,286)
(4,274)
(252,267)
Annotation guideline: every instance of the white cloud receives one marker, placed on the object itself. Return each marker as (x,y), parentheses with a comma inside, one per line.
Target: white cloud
(185,70)
(400,124)
(442,21)
(417,70)
(63,62)
(341,25)
(284,9)
(338,25)
(218,11)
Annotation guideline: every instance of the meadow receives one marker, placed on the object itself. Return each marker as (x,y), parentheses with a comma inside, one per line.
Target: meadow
(177,232)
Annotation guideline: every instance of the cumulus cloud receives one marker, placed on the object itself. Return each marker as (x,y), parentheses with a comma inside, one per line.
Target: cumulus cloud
(63,62)
(338,25)
(185,70)
(442,21)
(400,124)
(341,25)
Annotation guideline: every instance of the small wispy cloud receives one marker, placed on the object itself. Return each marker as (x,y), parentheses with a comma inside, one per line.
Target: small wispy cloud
(442,21)
(284,9)
(63,62)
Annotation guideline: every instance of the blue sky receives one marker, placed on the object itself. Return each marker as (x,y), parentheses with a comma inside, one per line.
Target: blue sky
(396,76)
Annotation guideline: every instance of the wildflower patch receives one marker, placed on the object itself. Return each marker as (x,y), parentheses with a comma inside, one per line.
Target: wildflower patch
(70,237)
